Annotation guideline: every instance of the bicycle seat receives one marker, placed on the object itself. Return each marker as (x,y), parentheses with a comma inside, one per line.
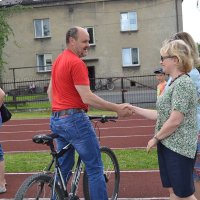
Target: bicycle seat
(44,138)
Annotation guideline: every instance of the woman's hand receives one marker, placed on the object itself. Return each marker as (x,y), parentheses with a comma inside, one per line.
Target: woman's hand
(152,142)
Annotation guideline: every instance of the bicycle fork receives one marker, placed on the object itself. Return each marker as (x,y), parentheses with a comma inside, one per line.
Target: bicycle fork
(76,178)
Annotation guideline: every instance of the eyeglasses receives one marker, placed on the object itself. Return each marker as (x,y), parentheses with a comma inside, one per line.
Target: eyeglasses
(162,58)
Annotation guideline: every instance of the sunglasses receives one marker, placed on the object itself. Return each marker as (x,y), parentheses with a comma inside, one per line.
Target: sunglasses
(162,58)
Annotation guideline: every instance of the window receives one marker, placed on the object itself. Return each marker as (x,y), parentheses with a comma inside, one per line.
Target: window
(90,30)
(44,62)
(130,57)
(129,21)
(42,28)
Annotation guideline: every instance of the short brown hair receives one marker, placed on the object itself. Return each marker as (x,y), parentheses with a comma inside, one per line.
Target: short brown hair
(72,32)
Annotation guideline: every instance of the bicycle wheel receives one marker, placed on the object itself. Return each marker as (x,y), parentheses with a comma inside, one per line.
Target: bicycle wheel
(39,186)
(110,85)
(98,86)
(111,174)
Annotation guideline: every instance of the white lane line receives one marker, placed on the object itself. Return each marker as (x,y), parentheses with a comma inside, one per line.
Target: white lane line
(124,127)
(13,125)
(4,141)
(106,128)
(102,137)
(131,171)
(36,131)
(150,198)
(47,123)
(125,136)
(38,151)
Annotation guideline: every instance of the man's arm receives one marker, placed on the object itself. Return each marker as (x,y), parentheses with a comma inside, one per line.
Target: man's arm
(93,100)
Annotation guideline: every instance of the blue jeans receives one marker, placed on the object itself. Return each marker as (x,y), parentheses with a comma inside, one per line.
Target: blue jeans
(77,130)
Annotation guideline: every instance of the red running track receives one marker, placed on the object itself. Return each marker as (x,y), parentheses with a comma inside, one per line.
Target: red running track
(16,136)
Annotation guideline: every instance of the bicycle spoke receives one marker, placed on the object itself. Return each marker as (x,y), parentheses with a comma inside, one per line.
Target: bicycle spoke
(38,187)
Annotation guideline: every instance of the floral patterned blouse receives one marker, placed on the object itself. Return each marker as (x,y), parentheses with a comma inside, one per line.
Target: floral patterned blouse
(181,96)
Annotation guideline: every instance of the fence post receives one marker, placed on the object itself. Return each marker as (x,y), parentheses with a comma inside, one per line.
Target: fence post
(14,85)
(122,89)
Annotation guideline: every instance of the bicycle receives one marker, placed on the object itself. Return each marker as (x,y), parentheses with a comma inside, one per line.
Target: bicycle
(49,184)
(106,84)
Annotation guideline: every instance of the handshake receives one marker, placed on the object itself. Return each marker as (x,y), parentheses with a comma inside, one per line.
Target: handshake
(125,110)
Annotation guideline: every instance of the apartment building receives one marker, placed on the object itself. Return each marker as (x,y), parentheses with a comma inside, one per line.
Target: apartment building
(125,35)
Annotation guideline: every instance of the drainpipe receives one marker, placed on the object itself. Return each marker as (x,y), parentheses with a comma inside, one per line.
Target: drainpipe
(177,22)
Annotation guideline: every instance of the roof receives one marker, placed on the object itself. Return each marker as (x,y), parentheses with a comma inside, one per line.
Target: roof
(8,3)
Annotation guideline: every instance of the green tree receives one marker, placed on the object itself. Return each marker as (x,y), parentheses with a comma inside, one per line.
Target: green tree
(5,31)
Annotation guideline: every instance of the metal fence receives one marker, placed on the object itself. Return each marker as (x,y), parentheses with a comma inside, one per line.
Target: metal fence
(138,90)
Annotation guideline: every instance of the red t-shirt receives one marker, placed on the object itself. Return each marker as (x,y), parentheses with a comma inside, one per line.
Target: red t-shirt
(68,70)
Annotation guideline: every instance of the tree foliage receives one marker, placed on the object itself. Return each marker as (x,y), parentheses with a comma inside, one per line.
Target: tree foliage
(5,31)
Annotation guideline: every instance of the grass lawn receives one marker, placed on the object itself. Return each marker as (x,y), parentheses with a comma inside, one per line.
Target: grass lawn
(46,114)
(131,159)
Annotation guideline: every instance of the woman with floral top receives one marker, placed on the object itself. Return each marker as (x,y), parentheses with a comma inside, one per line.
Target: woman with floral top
(195,76)
(176,125)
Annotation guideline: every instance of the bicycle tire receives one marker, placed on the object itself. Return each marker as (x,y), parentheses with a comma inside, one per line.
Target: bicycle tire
(98,86)
(110,85)
(111,173)
(31,188)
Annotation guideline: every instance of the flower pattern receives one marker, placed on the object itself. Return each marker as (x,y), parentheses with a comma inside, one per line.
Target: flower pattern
(180,96)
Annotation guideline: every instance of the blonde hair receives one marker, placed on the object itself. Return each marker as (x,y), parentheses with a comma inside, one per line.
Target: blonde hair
(187,38)
(180,50)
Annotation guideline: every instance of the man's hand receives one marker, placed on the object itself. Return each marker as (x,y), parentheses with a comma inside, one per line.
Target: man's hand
(125,110)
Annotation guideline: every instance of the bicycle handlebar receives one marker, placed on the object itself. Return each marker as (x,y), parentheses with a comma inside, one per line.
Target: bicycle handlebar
(103,119)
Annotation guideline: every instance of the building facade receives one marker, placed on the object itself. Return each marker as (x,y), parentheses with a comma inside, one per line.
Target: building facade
(125,35)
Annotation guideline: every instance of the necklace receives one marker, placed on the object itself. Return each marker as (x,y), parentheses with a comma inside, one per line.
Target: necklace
(176,78)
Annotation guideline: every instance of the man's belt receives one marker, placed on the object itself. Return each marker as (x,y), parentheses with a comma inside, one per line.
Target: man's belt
(70,111)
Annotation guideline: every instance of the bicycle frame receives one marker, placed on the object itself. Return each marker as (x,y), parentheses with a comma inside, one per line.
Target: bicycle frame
(76,177)
(58,174)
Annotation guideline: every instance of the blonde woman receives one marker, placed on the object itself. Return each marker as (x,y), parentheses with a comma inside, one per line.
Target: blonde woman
(2,164)
(176,126)
(195,76)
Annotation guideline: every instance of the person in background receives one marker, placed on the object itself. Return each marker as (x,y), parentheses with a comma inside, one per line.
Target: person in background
(195,76)
(70,96)
(160,76)
(2,163)
(176,125)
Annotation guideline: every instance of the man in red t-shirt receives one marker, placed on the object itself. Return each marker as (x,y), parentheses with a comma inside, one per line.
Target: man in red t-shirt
(70,94)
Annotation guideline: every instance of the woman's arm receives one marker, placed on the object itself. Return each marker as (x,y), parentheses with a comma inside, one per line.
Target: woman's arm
(168,128)
(2,95)
(147,113)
